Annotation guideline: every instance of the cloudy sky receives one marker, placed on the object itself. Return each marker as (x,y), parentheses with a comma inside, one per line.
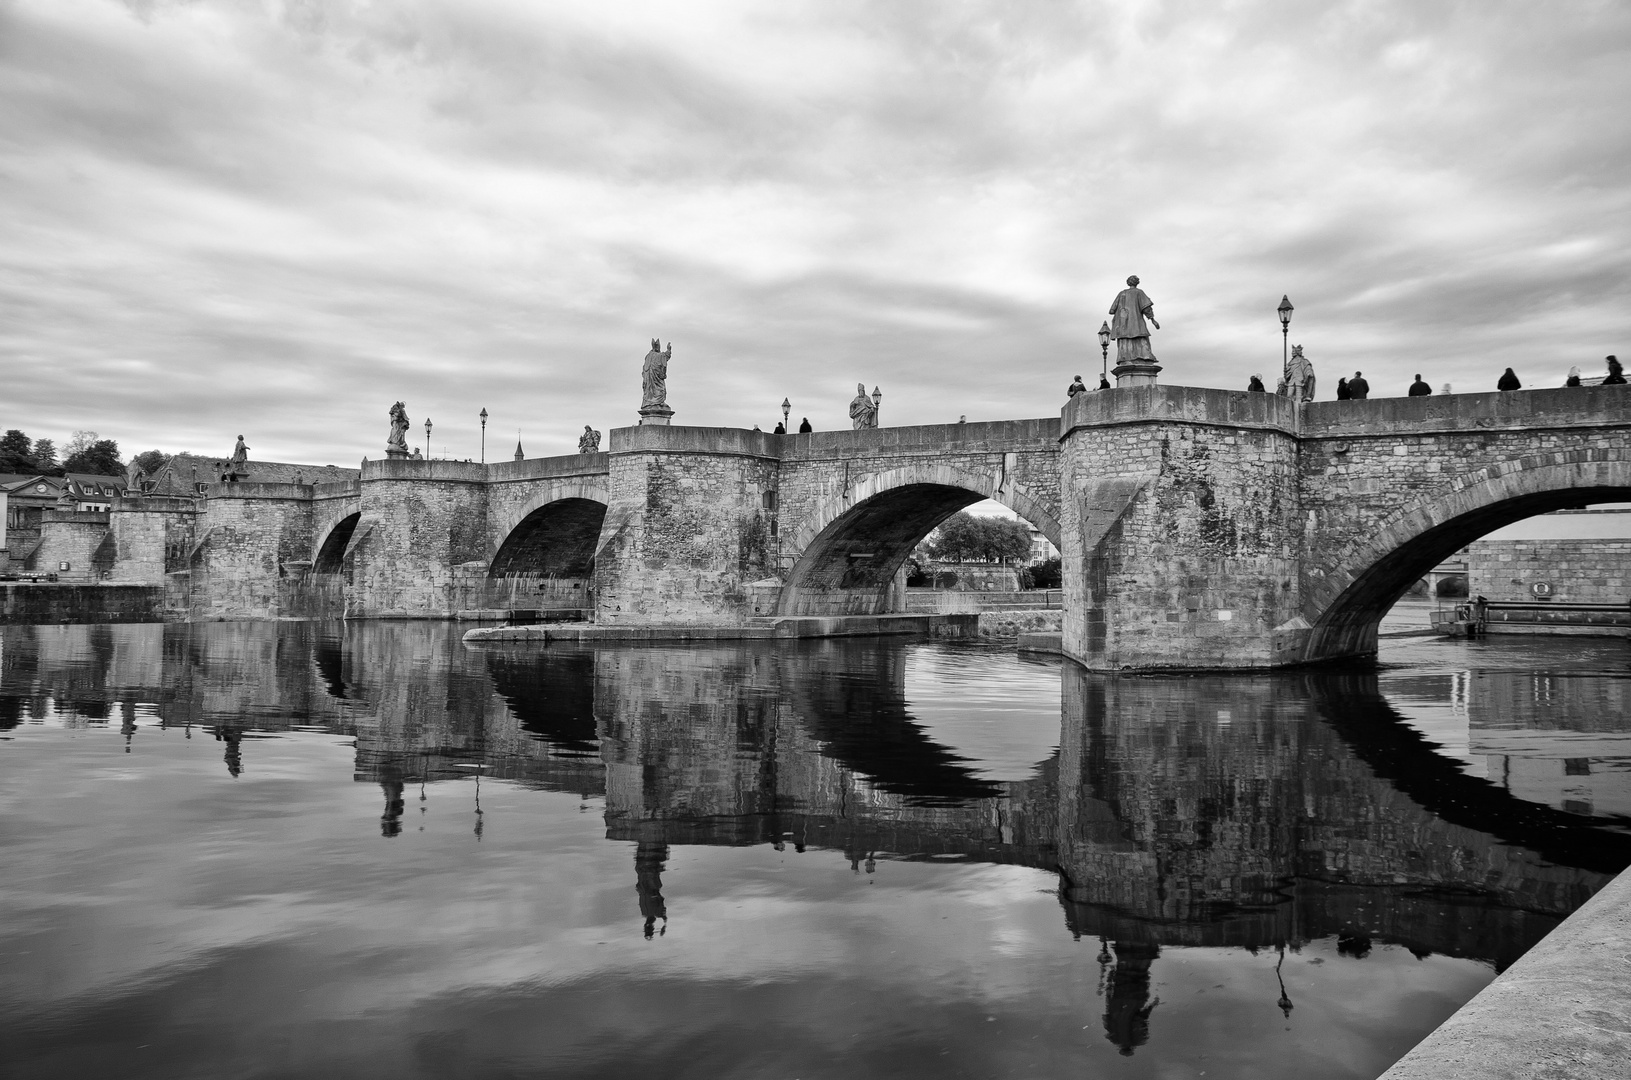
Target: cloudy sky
(275,217)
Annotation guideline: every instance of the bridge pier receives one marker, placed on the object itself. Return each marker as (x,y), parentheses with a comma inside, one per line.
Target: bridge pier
(688,527)
(1180,527)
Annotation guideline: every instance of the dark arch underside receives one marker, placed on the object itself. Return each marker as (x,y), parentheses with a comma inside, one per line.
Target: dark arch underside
(1348,627)
(555,540)
(849,567)
(331,556)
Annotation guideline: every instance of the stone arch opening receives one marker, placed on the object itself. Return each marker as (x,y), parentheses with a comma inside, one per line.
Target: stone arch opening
(331,554)
(1349,602)
(850,566)
(547,560)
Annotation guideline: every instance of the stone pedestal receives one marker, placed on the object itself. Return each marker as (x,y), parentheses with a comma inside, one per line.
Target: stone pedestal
(396,452)
(658,415)
(1136,373)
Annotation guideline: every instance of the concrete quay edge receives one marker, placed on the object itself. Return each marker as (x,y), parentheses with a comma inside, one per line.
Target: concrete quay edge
(1562,1011)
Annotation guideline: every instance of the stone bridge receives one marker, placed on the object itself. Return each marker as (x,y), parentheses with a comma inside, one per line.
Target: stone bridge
(1199,528)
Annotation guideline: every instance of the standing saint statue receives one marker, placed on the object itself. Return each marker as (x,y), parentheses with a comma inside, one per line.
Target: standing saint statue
(589,441)
(863,410)
(1132,306)
(1298,381)
(236,467)
(654,375)
(397,444)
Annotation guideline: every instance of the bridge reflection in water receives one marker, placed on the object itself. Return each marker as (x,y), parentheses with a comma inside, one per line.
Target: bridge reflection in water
(1256,812)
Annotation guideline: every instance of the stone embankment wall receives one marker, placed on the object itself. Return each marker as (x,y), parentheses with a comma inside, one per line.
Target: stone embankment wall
(64,603)
(1578,571)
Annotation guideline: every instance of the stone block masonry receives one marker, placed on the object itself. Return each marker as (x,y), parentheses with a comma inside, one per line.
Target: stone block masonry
(1574,571)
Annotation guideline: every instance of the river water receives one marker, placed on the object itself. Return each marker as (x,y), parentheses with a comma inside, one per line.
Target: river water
(365,850)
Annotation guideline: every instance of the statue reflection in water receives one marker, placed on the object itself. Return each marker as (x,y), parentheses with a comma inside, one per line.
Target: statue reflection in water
(1314,812)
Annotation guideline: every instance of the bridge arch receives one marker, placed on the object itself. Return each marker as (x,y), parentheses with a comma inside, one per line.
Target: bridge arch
(852,545)
(329,558)
(553,533)
(1346,597)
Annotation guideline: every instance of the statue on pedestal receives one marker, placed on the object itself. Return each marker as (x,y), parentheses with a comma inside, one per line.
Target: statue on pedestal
(240,459)
(134,476)
(654,384)
(1135,361)
(589,441)
(396,445)
(1298,380)
(863,410)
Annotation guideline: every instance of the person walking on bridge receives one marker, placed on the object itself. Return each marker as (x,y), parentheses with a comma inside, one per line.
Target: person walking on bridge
(1419,388)
(1077,387)
(1256,385)
(1343,393)
(1509,381)
(1358,387)
(1574,377)
(1616,377)
(805,428)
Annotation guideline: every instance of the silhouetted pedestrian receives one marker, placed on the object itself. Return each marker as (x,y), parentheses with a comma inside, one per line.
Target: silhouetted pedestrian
(1358,387)
(1104,383)
(1077,387)
(805,428)
(1509,381)
(1616,377)
(1574,377)
(781,429)
(1419,388)
(1343,393)
(1256,385)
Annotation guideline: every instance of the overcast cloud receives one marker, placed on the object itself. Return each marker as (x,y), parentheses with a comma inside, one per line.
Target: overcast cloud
(276,217)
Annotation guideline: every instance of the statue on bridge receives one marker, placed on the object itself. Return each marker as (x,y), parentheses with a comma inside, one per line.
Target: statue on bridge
(238,465)
(654,384)
(589,441)
(397,444)
(1135,361)
(863,410)
(1298,380)
(1131,307)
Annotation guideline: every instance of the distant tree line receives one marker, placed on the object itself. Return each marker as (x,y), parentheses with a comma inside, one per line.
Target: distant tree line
(86,452)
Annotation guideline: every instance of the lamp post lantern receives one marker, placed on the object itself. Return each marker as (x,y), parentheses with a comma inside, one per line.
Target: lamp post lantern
(1104,349)
(427,438)
(1285,335)
(787,407)
(484,436)
(877,405)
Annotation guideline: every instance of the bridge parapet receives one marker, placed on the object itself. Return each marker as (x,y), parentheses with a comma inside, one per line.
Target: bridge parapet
(1575,408)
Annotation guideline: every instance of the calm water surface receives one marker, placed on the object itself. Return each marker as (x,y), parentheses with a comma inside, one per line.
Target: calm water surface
(363,850)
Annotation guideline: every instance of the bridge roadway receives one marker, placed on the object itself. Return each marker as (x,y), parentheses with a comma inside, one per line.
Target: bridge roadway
(1199,528)
(1313,810)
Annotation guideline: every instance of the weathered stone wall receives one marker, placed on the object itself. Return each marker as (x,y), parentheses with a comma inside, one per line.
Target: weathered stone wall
(78,538)
(688,528)
(1578,571)
(1180,527)
(423,519)
(152,536)
(249,537)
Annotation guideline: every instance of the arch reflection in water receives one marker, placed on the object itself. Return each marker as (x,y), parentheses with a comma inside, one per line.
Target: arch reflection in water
(1265,813)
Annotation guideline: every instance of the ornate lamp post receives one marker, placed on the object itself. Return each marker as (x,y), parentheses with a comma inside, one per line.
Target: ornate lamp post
(1285,335)
(787,407)
(427,438)
(877,405)
(1104,349)
(484,436)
